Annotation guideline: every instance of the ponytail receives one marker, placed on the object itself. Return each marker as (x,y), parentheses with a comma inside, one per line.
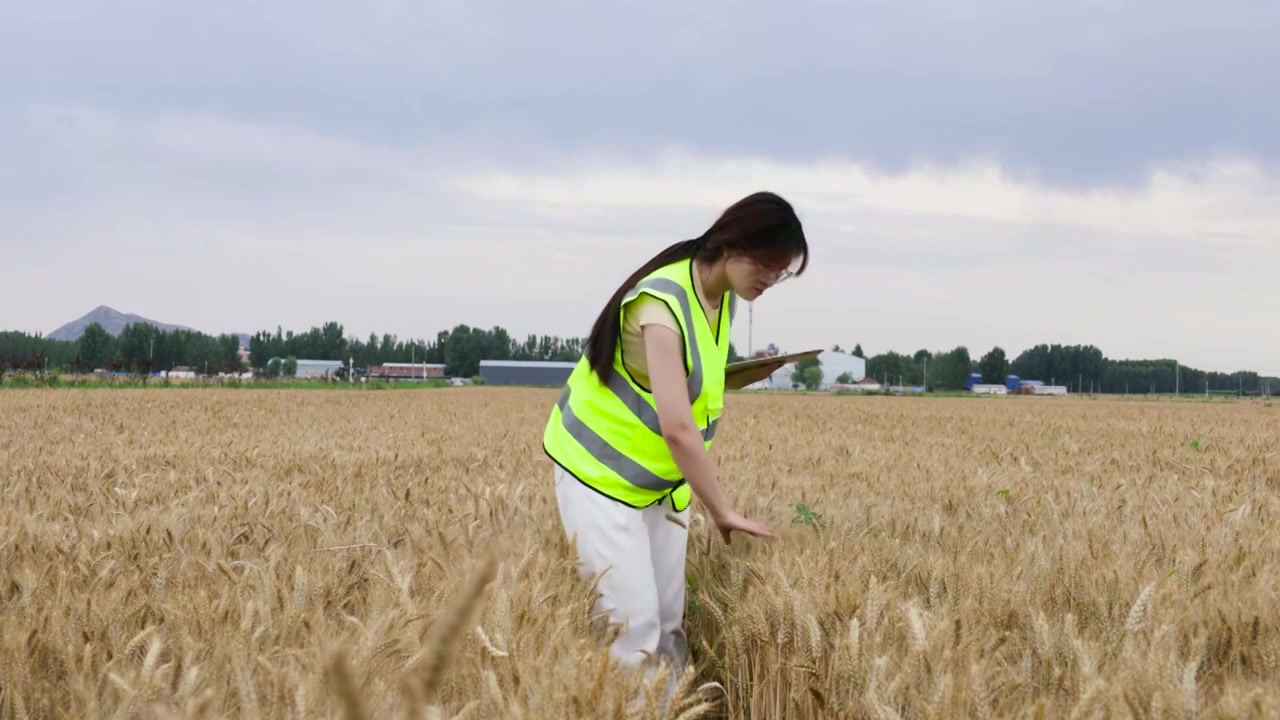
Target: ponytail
(762,226)
(607,329)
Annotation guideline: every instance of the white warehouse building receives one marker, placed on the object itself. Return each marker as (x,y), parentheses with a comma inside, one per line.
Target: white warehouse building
(317,368)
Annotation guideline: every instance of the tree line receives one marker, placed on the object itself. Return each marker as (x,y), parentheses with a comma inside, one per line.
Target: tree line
(460,350)
(139,348)
(1081,368)
(145,348)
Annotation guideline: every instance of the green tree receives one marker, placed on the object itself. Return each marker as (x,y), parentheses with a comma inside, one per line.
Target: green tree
(845,378)
(1076,365)
(273,367)
(963,366)
(994,366)
(808,373)
(137,344)
(892,368)
(812,378)
(290,366)
(228,353)
(464,348)
(95,346)
(949,370)
(857,351)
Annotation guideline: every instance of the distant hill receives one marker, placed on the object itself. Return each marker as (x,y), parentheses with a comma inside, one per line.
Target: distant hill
(113,321)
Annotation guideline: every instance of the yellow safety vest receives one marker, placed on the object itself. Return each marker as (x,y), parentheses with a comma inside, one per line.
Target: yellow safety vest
(609,437)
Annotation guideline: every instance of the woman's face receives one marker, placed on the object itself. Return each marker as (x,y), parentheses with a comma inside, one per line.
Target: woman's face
(750,278)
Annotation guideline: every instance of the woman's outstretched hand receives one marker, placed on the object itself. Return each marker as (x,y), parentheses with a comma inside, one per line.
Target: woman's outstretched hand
(732,521)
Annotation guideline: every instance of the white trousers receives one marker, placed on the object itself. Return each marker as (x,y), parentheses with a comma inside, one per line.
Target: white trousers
(642,556)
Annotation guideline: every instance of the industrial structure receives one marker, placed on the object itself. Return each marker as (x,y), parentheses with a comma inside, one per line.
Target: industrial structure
(975,385)
(318,368)
(407,371)
(534,373)
(1013,385)
(1017,386)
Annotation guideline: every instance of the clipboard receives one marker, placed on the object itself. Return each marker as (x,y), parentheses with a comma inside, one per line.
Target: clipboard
(779,360)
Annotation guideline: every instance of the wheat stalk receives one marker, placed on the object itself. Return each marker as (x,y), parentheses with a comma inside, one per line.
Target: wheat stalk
(183,554)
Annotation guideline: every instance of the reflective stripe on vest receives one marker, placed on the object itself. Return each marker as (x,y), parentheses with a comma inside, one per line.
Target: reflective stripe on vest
(636,405)
(671,287)
(632,471)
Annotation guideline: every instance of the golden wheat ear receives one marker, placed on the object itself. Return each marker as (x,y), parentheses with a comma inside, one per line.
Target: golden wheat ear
(452,622)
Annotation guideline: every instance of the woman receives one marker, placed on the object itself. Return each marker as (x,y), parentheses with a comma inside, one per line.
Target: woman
(631,434)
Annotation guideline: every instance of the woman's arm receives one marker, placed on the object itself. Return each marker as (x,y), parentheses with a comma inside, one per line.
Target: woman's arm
(664,354)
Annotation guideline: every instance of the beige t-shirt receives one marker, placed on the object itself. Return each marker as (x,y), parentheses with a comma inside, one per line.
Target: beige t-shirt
(649,310)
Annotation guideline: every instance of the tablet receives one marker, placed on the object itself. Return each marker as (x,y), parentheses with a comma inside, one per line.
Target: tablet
(773,360)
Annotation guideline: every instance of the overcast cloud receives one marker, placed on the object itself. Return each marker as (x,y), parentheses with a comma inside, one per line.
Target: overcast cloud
(977,173)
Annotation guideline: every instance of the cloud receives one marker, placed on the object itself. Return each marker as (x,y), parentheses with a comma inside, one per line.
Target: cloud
(228,225)
(1066,93)
(1213,207)
(944,255)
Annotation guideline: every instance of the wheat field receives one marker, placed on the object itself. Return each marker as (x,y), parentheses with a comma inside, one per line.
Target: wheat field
(397,554)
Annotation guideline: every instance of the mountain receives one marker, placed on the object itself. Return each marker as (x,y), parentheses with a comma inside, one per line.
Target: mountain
(113,321)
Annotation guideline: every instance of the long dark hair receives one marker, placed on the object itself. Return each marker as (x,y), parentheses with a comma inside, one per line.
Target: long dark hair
(761,226)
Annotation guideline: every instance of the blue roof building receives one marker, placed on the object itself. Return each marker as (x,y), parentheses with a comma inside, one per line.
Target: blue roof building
(1013,382)
(533,373)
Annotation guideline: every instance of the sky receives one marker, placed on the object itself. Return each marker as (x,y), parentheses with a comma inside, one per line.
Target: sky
(979,173)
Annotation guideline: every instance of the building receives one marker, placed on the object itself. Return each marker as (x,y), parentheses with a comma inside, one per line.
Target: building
(833,364)
(975,385)
(318,368)
(536,373)
(407,371)
(866,384)
(1013,382)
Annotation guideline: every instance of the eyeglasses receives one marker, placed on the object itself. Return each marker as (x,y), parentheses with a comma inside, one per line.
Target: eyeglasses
(771,276)
(775,277)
